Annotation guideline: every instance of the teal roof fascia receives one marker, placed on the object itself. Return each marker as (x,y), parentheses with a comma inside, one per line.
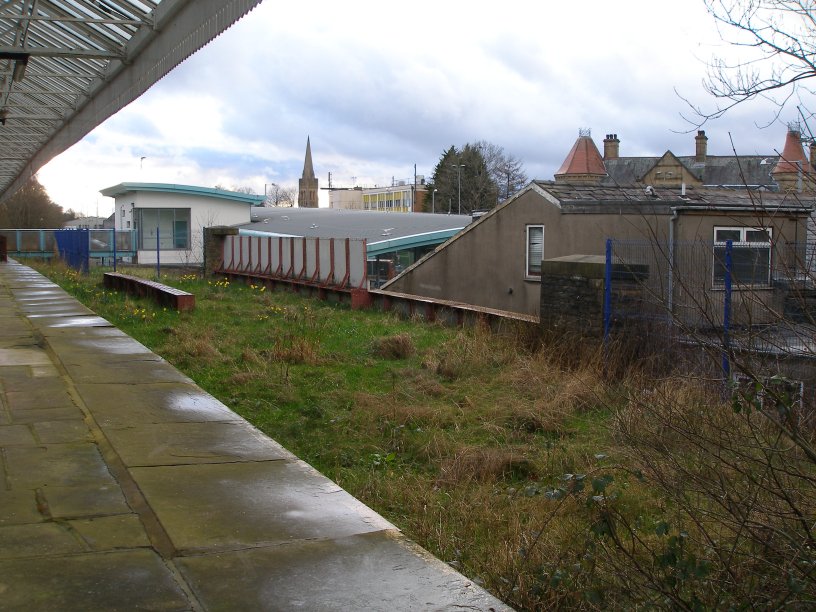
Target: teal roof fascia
(209,192)
(381,247)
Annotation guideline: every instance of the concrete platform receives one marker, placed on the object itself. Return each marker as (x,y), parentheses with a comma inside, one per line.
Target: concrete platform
(126,487)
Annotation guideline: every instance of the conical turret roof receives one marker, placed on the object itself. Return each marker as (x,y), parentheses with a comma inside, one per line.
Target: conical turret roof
(793,156)
(583,161)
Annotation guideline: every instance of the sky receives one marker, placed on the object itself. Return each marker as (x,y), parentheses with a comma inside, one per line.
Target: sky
(381,87)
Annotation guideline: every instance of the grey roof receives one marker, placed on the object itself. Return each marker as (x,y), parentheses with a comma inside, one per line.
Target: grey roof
(587,198)
(370,225)
(727,170)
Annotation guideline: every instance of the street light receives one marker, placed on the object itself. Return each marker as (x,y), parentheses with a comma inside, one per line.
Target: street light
(459,181)
(433,200)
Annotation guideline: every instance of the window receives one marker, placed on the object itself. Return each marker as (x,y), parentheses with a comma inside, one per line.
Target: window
(750,255)
(170,225)
(535,249)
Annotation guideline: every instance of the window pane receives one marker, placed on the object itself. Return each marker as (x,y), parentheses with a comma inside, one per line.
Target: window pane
(749,265)
(756,235)
(721,235)
(535,244)
(148,222)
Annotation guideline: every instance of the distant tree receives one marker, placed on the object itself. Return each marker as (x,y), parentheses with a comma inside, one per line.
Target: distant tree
(779,42)
(31,208)
(506,170)
(280,195)
(444,181)
(488,174)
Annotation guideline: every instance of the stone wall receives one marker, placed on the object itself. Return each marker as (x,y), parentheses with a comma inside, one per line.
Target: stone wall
(214,238)
(572,292)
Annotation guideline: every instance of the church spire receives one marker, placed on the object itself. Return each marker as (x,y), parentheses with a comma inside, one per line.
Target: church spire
(308,169)
(307,185)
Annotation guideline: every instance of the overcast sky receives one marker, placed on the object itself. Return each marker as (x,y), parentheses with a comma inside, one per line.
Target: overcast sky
(381,86)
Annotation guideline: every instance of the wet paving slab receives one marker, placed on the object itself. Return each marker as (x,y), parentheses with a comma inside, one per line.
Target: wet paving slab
(333,575)
(117,405)
(118,580)
(123,485)
(277,502)
(156,444)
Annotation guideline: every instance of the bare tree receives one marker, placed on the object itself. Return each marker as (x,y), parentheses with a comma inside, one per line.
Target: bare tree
(280,195)
(505,170)
(777,39)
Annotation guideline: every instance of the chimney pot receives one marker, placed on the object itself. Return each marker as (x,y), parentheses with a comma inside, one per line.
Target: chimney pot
(611,147)
(701,147)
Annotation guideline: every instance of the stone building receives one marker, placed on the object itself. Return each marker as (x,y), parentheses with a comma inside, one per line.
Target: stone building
(307,184)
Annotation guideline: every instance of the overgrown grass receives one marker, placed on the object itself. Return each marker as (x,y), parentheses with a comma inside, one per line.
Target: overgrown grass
(523,465)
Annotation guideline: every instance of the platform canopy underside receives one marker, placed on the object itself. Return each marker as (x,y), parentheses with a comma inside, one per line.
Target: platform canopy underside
(67,65)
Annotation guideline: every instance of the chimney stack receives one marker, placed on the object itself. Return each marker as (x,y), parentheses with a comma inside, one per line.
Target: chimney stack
(611,147)
(701,147)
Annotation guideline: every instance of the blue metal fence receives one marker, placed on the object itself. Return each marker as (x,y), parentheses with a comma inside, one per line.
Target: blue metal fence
(103,244)
(73,245)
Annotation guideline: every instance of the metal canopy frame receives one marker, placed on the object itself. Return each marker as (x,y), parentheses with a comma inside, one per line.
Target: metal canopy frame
(67,65)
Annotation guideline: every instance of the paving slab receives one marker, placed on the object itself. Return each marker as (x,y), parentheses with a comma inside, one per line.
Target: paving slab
(61,432)
(378,571)
(193,442)
(86,500)
(23,356)
(37,540)
(117,405)
(19,508)
(56,465)
(16,435)
(277,501)
(111,532)
(147,370)
(120,580)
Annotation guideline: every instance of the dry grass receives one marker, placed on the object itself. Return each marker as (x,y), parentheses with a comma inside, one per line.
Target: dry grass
(398,346)
(187,344)
(480,464)
(294,349)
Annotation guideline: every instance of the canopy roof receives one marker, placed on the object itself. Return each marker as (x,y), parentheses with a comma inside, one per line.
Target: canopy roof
(67,65)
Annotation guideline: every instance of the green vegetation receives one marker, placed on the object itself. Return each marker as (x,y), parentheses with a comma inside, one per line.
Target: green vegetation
(524,464)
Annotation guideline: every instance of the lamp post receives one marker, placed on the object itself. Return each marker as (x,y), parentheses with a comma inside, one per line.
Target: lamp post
(433,200)
(459,183)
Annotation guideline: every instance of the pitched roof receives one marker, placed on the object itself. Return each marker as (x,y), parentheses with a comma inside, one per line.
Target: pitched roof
(793,156)
(717,170)
(586,198)
(584,158)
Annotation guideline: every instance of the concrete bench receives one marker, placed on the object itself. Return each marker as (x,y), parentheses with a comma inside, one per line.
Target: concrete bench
(162,294)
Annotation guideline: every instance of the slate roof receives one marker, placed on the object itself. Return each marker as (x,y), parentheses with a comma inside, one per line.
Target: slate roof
(717,170)
(589,198)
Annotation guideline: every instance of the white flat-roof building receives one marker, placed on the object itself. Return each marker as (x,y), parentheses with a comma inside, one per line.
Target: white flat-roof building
(169,219)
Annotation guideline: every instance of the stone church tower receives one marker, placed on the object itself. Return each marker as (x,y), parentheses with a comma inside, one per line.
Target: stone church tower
(307,185)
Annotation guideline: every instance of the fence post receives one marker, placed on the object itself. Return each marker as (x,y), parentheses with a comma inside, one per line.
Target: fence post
(607,304)
(726,363)
(158,256)
(113,232)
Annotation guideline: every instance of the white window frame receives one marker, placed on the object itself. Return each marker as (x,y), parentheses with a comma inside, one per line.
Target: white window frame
(742,243)
(528,274)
